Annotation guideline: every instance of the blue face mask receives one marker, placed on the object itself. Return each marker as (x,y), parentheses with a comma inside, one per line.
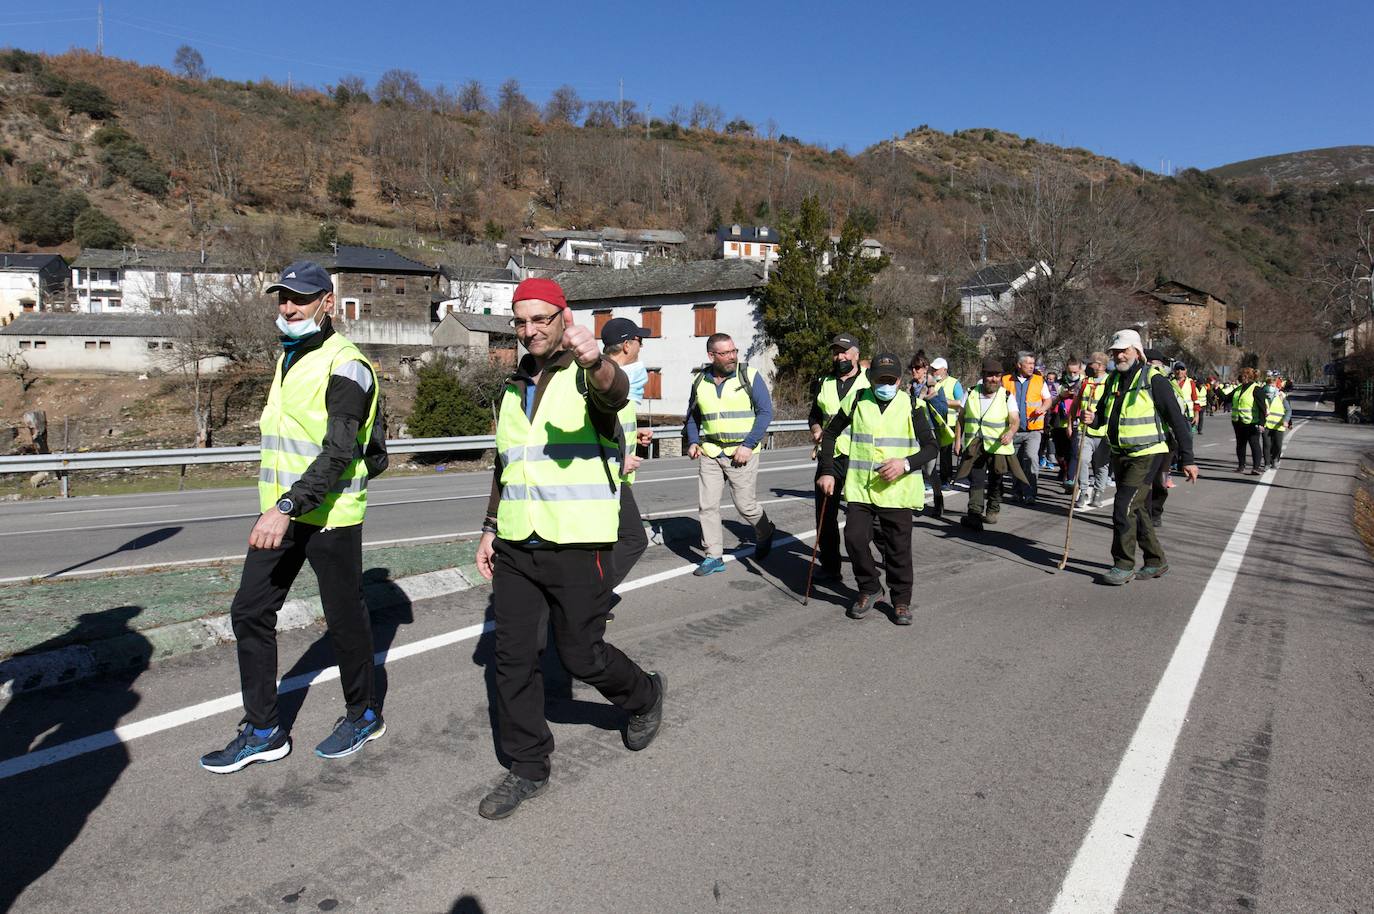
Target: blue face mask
(885,392)
(300,329)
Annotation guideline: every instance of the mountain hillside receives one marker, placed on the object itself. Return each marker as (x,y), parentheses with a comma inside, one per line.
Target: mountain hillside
(1311,167)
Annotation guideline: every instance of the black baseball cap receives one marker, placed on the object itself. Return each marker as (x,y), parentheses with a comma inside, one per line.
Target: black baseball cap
(1154,355)
(620,329)
(844,341)
(304,277)
(885,367)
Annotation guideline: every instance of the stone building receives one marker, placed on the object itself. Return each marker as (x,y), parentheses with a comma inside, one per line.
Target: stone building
(1196,317)
(378,284)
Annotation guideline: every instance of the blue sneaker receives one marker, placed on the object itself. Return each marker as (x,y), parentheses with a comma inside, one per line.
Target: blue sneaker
(350,735)
(709,565)
(247,748)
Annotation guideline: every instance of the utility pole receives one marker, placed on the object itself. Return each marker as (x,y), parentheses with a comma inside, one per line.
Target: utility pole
(100,28)
(621,110)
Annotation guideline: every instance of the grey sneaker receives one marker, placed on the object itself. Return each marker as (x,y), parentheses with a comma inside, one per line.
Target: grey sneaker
(1097,500)
(351,735)
(1115,577)
(508,795)
(642,728)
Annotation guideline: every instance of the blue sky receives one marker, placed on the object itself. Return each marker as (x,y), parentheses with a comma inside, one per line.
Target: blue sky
(1200,84)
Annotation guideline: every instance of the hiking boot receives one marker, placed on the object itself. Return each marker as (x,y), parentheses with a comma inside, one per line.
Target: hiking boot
(1084,501)
(709,565)
(642,728)
(247,748)
(351,735)
(1153,571)
(509,794)
(972,521)
(765,539)
(860,607)
(1097,500)
(1117,576)
(991,516)
(901,614)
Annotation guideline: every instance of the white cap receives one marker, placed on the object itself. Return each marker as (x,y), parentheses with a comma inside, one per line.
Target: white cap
(939,364)
(1126,339)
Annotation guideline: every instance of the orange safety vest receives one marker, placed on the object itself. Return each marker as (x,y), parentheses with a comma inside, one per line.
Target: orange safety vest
(1034,392)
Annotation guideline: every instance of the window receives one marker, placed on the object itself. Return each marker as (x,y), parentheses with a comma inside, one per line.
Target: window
(367,309)
(734,245)
(651,319)
(748,250)
(40,344)
(188,283)
(653,388)
(600,318)
(705,318)
(104,344)
(367,284)
(160,283)
(25,344)
(381,282)
(400,285)
(167,344)
(152,344)
(90,344)
(114,303)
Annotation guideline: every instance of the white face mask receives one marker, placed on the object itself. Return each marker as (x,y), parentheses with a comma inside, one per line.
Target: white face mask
(300,329)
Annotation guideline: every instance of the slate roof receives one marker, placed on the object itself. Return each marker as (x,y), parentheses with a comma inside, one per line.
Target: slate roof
(485,323)
(358,258)
(1174,298)
(662,279)
(142,258)
(472,273)
(749,233)
(532,262)
(30,263)
(57,323)
(996,278)
(643,236)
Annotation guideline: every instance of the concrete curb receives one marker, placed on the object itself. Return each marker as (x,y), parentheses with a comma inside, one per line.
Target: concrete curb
(134,650)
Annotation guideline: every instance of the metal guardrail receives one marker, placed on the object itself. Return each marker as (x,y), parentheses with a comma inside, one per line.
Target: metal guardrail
(120,460)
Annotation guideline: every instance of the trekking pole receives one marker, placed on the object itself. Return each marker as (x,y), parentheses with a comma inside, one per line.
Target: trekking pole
(1073,496)
(815,548)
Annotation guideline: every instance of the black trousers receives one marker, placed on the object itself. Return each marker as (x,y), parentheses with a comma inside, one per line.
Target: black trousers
(570,588)
(1247,436)
(1273,446)
(1159,485)
(947,463)
(336,557)
(1131,524)
(828,521)
(894,525)
(631,540)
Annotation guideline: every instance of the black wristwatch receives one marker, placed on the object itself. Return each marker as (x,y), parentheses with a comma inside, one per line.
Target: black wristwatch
(285,505)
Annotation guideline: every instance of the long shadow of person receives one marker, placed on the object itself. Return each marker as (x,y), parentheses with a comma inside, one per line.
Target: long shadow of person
(45,808)
(389,609)
(468,904)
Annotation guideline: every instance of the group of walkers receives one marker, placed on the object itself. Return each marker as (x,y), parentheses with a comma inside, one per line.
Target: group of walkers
(562,528)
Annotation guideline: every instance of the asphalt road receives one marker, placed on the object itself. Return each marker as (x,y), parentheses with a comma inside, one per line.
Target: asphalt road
(105,532)
(1007,752)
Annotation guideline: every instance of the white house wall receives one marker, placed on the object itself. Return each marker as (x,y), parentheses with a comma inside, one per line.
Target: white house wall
(131,290)
(122,354)
(16,287)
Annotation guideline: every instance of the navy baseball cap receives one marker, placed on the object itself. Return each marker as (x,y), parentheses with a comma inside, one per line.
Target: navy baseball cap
(620,329)
(304,277)
(844,341)
(885,367)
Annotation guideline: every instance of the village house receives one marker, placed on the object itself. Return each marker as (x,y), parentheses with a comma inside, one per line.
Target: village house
(461,334)
(988,296)
(608,246)
(680,304)
(134,281)
(1196,317)
(124,343)
(376,284)
(747,242)
(523,266)
(475,289)
(30,282)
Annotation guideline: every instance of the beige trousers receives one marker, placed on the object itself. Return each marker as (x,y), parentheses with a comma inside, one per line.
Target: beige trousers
(712,477)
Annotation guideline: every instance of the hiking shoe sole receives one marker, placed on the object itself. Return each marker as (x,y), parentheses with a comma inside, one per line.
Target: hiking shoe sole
(267,755)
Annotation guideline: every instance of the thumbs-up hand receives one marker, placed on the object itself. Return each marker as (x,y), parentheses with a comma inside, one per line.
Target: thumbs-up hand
(581,342)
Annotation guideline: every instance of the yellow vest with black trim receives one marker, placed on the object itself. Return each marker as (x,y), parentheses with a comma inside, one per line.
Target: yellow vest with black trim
(878,435)
(991,425)
(293,426)
(830,403)
(1274,419)
(558,476)
(1139,431)
(946,386)
(1244,409)
(726,417)
(1091,395)
(1184,401)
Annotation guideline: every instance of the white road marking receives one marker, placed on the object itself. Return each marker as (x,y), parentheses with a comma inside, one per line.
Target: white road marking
(1099,871)
(96,510)
(126,733)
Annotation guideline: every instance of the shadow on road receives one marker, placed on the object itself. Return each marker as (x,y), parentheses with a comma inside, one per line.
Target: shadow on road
(468,904)
(142,541)
(45,810)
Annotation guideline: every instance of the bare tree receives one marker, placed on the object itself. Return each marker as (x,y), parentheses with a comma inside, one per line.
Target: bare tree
(17,367)
(472,98)
(189,63)
(402,87)
(1344,271)
(565,106)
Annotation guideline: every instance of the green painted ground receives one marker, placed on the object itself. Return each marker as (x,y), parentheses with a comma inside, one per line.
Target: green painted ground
(45,615)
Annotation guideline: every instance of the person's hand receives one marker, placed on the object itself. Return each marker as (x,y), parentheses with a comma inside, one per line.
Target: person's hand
(816,432)
(892,469)
(644,437)
(1008,436)
(631,463)
(269,530)
(741,455)
(486,555)
(1191,472)
(693,451)
(581,342)
(1088,416)
(826,484)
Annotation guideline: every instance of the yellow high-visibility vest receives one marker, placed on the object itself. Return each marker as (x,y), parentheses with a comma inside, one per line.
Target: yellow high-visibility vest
(879,435)
(831,404)
(988,425)
(726,417)
(1139,430)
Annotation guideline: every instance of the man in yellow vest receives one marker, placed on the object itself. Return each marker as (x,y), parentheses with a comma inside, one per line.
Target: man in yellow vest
(728,414)
(891,439)
(546,543)
(954,398)
(1093,455)
(312,492)
(1137,409)
(834,394)
(987,428)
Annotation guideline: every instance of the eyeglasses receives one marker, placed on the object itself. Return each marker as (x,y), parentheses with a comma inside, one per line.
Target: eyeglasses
(725,352)
(534,323)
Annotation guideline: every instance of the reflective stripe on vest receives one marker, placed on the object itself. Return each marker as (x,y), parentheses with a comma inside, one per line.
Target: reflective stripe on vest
(878,436)
(726,417)
(830,403)
(1138,429)
(557,483)
(988,426)
(293,426)
(1275,418)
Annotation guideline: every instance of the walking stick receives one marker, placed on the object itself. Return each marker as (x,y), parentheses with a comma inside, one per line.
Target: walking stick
(1073,496)
(815,547)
